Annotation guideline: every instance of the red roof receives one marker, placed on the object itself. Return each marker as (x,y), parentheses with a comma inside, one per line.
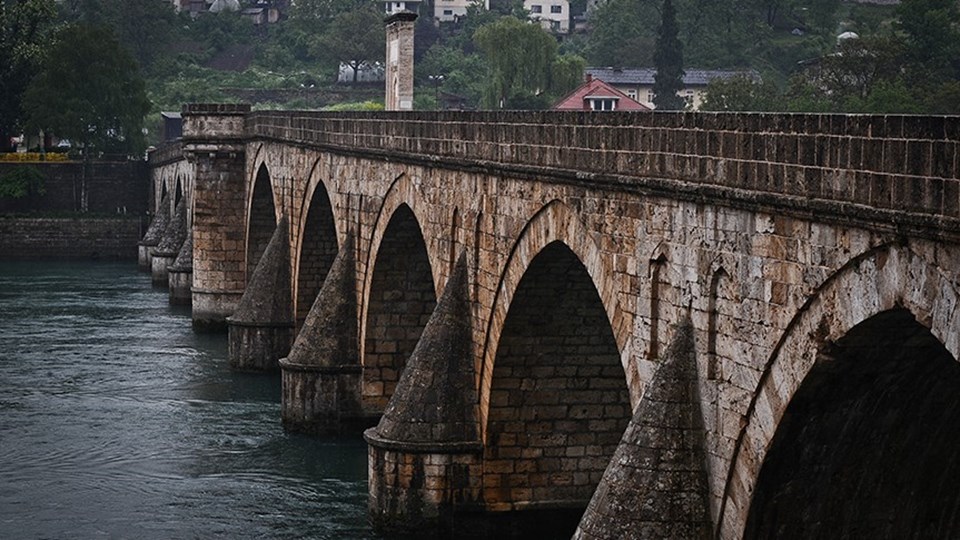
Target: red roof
(579,99)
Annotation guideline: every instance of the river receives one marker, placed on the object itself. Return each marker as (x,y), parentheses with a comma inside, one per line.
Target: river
(117,421)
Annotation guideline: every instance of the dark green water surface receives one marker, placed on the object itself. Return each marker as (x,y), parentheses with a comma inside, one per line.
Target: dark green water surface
(117,421)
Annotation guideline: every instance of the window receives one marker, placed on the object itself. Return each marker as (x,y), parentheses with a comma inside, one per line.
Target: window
(650,96)
(632,93)
(536,9)
(448,12)
(602,104)
(556,9)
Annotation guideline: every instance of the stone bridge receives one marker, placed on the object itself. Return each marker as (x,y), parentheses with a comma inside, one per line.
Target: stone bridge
(703,325)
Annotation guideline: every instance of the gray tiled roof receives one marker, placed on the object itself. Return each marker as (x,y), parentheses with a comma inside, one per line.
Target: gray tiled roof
(644,76)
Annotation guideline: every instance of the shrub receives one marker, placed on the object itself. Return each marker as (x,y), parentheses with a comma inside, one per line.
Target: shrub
(22,182)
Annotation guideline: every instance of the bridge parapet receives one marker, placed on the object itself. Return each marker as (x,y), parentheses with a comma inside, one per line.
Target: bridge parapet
(891,171)
(165,153)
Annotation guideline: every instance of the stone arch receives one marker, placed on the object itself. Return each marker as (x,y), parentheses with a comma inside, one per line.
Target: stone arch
(890,278)
(317,243)
(558,400)
(261,218)
(399,295)
(554,222)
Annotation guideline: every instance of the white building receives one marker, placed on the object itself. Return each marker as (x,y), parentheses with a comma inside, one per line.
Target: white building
(451,10)
(405,5)
(553,15)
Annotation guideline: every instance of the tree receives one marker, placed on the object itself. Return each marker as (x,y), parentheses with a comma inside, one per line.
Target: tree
(25,27)
(89,91)
(668,61)
(142,26)
(518,55)
(622,34)
(932,29)
(740,93)
(356,37)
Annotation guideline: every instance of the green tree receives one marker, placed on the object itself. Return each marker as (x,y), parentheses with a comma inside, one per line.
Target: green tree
(623,34)
(740,93)
(22,182)
(566,74)
(25,28)
(90,91)
(142,26)
(668,61)
(519,56)
(356,37)
(932,30)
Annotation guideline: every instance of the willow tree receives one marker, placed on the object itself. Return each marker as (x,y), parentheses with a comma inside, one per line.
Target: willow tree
(519,56)
(668,60)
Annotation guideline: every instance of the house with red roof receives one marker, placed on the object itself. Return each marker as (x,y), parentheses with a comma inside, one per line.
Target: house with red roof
(596,95)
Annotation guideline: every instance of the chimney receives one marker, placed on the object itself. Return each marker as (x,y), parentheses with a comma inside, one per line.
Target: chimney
(588,77)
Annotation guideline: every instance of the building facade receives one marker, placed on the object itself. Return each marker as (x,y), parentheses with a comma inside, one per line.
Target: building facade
(553,15)
(638,82)
(451,10)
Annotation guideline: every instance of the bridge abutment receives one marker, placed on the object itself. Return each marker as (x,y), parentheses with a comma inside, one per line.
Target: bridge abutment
(213,138)
(261,329)
(425,455)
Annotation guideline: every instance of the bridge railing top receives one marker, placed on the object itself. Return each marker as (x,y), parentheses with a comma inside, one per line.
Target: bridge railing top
(165,153)
(898,163)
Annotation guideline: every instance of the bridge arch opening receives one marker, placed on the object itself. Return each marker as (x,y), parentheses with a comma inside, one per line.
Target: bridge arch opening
(867,445)
(400,301)
(559,400)
(318,248)
(163,198)
(262,219)
(179,192)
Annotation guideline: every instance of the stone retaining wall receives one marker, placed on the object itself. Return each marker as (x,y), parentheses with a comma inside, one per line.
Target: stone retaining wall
(24,238)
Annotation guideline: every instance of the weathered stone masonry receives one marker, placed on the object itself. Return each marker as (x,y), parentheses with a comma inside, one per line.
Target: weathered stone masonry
(775,234)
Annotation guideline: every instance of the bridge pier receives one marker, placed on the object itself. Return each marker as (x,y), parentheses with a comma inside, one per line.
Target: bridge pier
(658,470)
(180,274)
(261,329)
(321,376)
(213,139)
(167,250)
(152,237)
(425,454)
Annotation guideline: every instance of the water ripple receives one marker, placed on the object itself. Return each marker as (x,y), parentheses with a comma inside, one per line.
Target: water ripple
(116,421)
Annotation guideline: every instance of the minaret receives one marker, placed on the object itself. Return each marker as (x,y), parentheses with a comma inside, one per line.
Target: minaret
(399,81)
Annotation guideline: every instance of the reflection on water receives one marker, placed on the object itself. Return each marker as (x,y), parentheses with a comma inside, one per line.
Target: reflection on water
(117,421)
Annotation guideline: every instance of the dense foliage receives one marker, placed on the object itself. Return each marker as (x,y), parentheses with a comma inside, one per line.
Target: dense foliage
(89,90)
(905,58)
(22,182)
(24,29)
(668,60)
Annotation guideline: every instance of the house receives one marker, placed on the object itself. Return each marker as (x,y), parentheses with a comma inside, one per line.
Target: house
(452,10)
(408,5)
(553,15)
(596,95)
(638,82)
